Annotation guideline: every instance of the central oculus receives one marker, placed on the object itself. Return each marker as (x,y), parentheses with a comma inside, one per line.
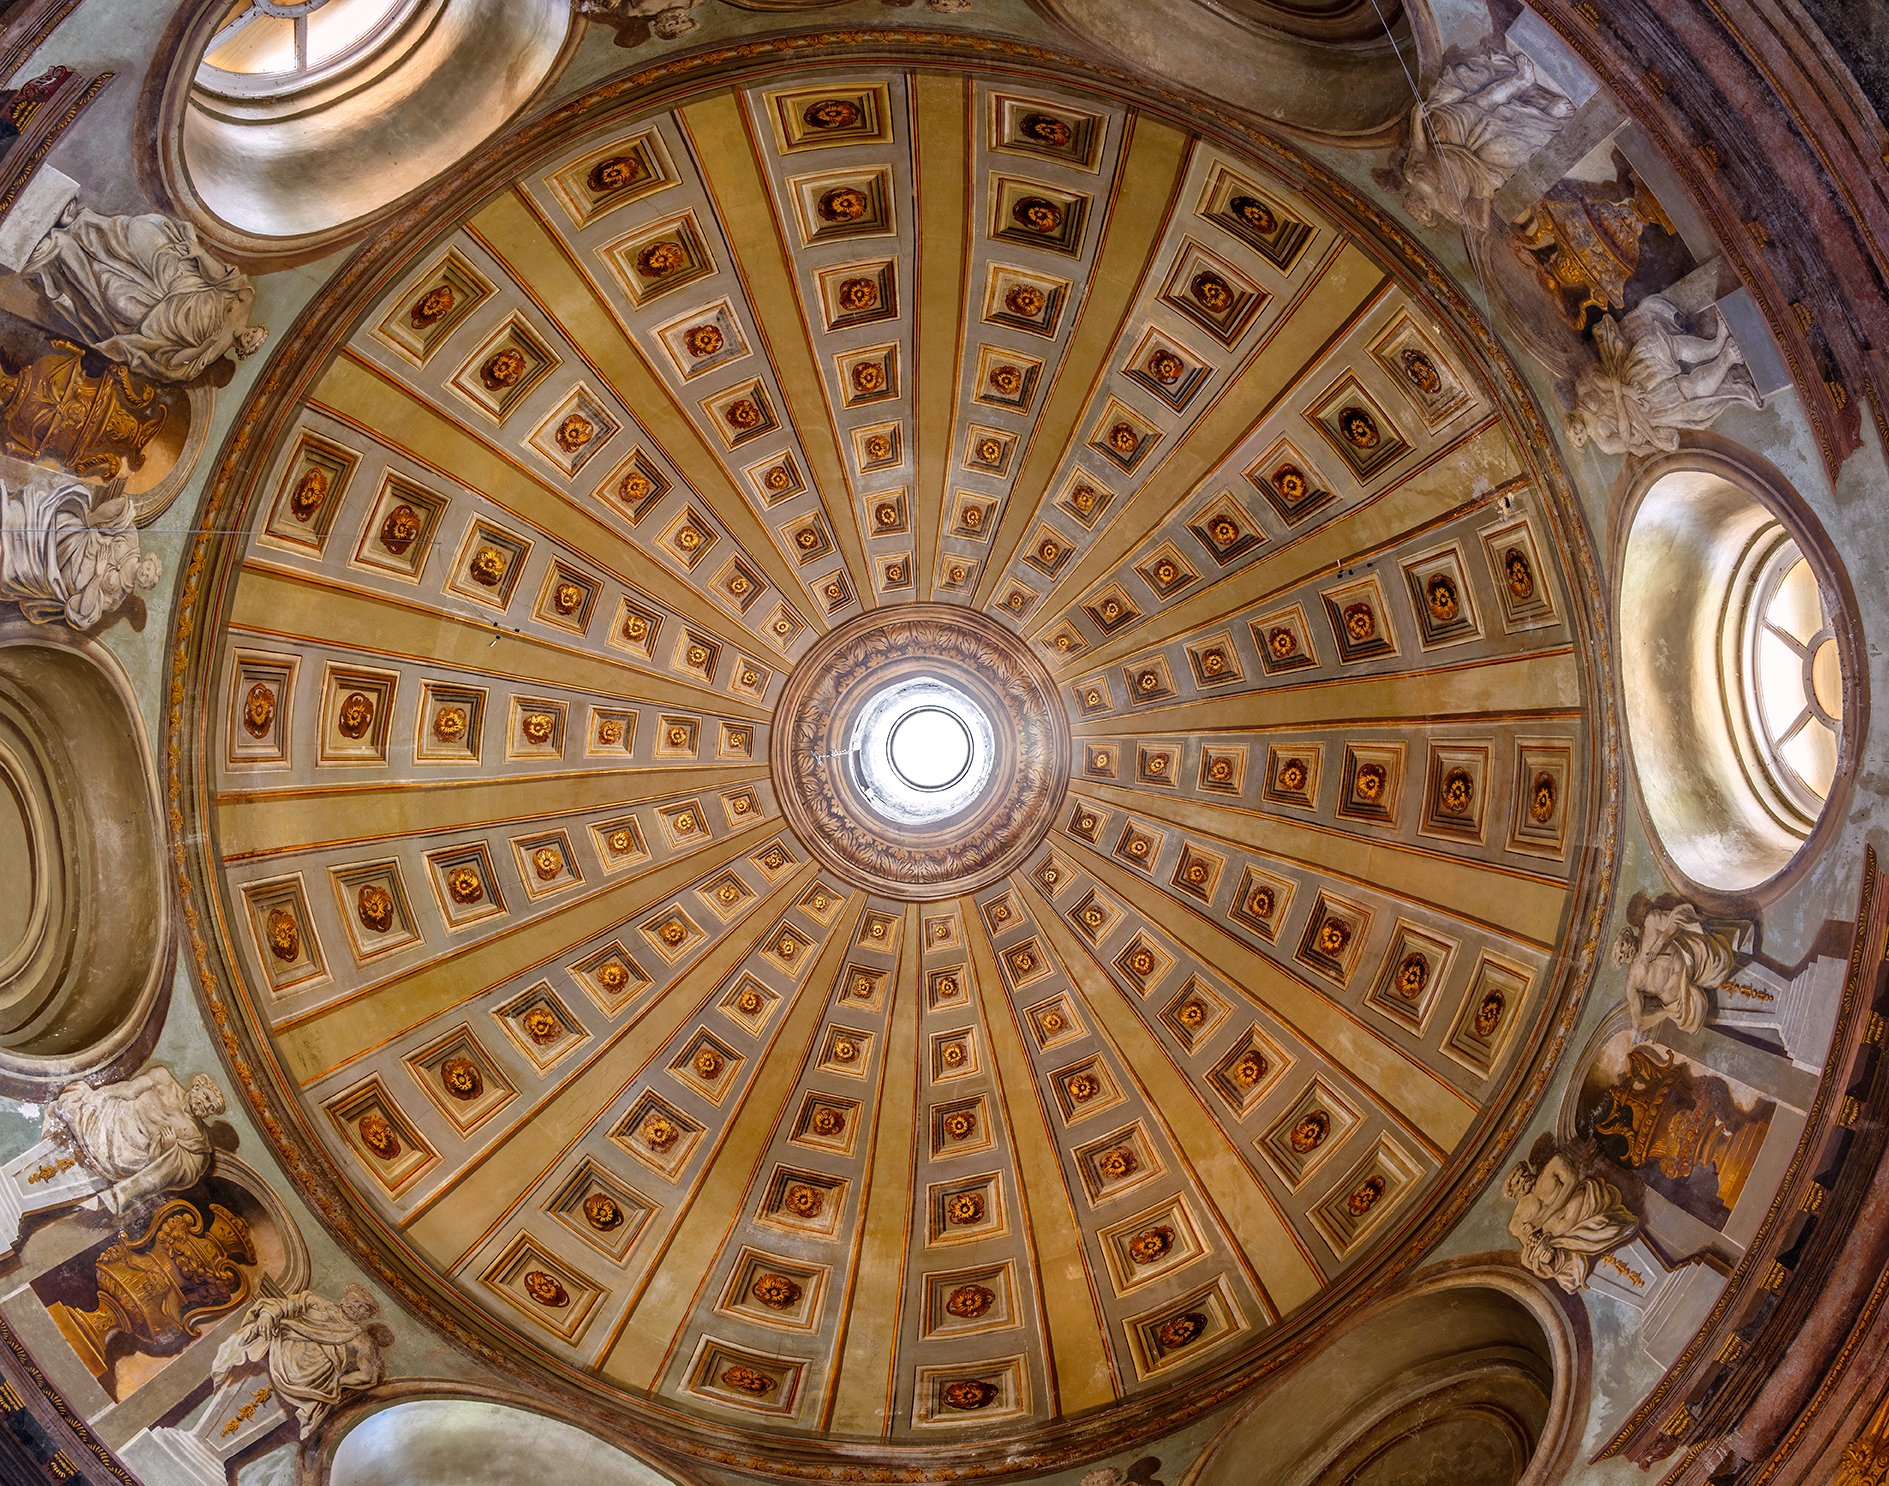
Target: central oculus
(921,750)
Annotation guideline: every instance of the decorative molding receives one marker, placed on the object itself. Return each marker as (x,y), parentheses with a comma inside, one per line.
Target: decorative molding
(961,647)
(263,424)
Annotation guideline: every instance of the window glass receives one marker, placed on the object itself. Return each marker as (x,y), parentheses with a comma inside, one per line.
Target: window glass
(1793,676)
(276,43)
(1731,677)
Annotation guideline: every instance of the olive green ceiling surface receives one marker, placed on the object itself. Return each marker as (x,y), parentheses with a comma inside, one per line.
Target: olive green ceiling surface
(532,953)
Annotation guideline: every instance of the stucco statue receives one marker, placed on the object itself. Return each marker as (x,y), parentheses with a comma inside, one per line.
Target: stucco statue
(1674,959)
(1143,1472)
(1655,378)
(1488,113)
(318,1351)
(69,552)
(666,19)
(1564,1220)
(145,1135)
(143,290)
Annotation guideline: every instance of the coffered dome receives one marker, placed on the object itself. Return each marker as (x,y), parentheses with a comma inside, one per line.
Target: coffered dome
(891,764)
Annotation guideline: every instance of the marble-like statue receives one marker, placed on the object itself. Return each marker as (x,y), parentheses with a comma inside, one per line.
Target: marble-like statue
(143,290)
(1143,1472)
(1488,113)
(666,19)
(1674,960)
(1564,1220)
(145,1135)
(317,1351)
(64,558)
(1655,378)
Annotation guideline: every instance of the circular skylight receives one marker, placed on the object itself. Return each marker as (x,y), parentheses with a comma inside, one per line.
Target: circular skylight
(922,750)
(930,748)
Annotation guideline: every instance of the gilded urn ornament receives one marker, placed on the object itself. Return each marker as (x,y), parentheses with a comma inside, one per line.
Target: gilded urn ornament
(75,409)
(162,1285)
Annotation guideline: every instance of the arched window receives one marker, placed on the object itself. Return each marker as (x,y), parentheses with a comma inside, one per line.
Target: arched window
(1733,677)
(287,126)
(1788,675)
(265,47)
(475,1442)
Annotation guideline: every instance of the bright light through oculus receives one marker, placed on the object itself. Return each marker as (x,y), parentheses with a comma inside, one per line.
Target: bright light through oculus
(930,748)
(922,750)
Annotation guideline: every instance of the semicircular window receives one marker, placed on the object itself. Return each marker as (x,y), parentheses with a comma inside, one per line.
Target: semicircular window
(1789,675)
(270,47)
(1733,679)
(294,123)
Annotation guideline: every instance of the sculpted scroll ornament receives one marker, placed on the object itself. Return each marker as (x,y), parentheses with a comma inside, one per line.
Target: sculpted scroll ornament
(1655,378)
(1563,1219)
(1865,1460)
(63,557)
(1487,114)
(318,1352)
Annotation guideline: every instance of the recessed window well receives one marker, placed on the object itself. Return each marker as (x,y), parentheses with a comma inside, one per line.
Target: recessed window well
(1732,672)
(272,46)
(287,125)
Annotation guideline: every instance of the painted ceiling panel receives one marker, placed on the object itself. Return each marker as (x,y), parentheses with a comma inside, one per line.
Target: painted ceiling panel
(620,477)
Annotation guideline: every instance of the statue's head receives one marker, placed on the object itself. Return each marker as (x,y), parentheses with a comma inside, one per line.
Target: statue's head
(249,340)
(358,1305)
(1412,174)
(1626,945)
(1521,1181)
(1579,425)
(672,23)
(203,1098)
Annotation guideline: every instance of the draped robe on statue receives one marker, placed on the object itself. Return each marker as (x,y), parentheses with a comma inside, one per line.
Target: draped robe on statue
(318,1350)
(1487,114)
(143,290)
(1676,963)
(141,1134)
(1564,1220)
(1654,379)
(61,558)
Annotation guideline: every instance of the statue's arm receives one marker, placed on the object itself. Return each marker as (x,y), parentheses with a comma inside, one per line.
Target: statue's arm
(180,1156)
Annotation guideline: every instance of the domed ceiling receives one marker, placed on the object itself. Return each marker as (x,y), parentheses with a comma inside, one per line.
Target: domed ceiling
(889,758)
